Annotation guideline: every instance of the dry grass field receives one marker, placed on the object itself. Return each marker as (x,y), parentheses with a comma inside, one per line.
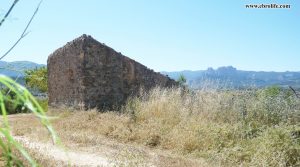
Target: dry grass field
(85,142)
(172,127)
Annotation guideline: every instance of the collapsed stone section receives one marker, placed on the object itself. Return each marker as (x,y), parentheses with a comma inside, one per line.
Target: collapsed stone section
(86,73)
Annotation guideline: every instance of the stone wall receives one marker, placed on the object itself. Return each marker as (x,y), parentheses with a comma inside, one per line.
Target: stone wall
(90,74)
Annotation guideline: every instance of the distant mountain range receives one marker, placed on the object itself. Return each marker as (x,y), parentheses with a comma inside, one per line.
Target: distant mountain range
(233,78)
(17,68)
(221,77)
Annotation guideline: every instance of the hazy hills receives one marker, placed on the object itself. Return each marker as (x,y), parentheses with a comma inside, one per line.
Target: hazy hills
(223,76)
(17,68)
(231,77)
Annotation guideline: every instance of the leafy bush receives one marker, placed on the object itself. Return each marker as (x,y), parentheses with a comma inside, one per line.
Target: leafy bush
(37,79)
(14,104)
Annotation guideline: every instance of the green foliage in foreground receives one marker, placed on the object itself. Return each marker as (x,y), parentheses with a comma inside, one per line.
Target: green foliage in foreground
(37,79)
(15,105)
(7,142)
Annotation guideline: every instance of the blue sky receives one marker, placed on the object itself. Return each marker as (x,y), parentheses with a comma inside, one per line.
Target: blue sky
(168,35)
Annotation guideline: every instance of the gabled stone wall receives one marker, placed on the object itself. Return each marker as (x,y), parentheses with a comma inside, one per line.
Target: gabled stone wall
(90,74)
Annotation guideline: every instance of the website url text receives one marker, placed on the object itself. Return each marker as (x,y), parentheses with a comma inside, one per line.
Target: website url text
(268,6)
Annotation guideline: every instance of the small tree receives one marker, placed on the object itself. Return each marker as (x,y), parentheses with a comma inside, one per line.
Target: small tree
(181,79)
(37,79)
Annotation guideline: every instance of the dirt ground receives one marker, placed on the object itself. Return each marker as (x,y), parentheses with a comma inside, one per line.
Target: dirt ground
(80,148)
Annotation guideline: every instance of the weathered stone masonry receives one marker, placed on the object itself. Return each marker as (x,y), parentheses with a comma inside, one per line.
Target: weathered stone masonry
(90,74)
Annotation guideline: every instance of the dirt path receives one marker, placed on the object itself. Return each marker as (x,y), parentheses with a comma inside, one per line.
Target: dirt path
(104,152)
(57,153)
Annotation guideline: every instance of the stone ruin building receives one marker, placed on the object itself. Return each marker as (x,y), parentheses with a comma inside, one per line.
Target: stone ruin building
(86,73)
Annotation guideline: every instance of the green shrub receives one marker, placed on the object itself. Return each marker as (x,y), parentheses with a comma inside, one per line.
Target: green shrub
(181,79)
(37,79)
(12,103)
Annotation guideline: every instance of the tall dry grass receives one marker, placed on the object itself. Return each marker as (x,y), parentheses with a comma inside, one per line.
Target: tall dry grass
(251,128)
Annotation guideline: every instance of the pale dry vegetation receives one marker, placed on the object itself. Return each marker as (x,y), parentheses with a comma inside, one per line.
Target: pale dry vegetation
(255,127)
(227,128)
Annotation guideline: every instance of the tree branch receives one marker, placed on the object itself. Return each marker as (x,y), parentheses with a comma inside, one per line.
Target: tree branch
(294,91)
(8,12)
(24,32)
